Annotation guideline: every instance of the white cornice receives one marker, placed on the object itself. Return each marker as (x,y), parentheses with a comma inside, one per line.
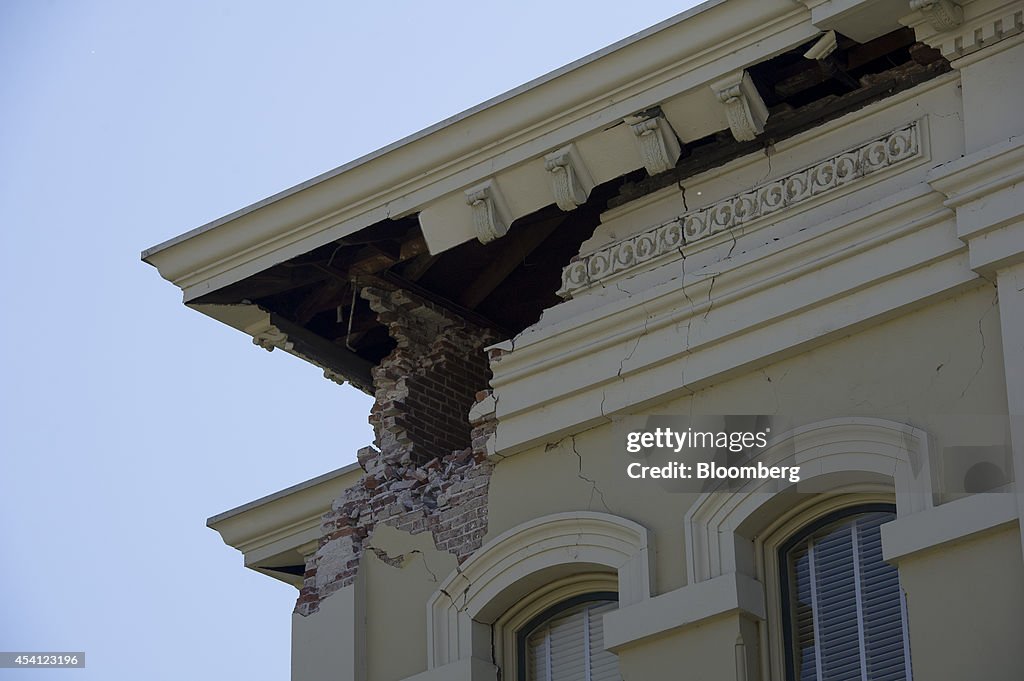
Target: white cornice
(768,303)
(986,189)
(542,347)
(274,529)
(961,29)
(675,57)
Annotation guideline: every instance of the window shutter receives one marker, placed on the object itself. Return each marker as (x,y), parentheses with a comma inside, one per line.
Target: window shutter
(836,600)
(570,647)
(604,666)
(846,609)
(884,636)
(537,657)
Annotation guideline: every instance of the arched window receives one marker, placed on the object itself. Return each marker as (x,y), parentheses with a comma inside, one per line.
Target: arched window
(566,642)
(844,615)
(522,573)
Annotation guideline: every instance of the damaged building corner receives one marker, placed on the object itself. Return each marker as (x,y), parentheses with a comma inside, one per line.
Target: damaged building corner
(786,214)
(428,470)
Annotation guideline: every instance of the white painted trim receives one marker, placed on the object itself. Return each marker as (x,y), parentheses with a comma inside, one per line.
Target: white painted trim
(684,607)
(326,478)
(950,522)
(518,130)
(986,189)
(501,572)
(448,122)
(893,453)
(470,669)
(771,201)
(864,265)
(982,29)
(276,529)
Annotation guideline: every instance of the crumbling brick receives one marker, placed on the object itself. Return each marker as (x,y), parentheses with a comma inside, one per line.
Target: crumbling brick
(429,469)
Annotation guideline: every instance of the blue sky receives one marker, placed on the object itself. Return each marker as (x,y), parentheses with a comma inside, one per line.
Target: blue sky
(127,419)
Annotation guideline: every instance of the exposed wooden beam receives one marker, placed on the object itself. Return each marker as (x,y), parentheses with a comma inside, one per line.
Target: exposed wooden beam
(271,282)
(859,55)
(418,266)
(329,295)
(516,247)
(324,353)
(469,315)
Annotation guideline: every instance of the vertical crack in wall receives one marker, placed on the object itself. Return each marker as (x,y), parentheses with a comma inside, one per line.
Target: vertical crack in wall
(981,334)
(594,489)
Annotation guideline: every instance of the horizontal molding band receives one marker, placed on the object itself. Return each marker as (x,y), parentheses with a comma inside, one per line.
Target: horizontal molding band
(767,200)
(687,606)
(950,522)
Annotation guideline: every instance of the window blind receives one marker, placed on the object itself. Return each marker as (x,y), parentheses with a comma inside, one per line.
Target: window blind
(847,616)
(570,647)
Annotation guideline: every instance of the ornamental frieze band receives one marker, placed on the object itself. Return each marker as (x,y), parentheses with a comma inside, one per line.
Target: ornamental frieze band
(667,238)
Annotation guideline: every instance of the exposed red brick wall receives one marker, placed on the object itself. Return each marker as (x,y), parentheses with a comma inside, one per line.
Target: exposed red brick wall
(429,470)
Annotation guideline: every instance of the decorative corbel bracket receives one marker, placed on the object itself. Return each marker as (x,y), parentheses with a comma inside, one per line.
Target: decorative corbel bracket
(744,108)
(943,15)
(491,217)
(267,336)
(570,180)
(657,142)
(334,376)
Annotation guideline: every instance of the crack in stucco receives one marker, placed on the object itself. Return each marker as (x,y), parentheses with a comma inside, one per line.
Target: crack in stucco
(629,355)
(711,301)
(775,391)
(400,561)
(981,334)
(594,489)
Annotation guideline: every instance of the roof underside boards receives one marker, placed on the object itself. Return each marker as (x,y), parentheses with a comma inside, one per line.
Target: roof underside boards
(300,258)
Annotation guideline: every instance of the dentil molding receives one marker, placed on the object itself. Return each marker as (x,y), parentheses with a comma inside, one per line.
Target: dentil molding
(957,31)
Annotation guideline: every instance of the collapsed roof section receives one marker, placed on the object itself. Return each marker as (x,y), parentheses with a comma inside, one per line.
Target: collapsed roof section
(479,215)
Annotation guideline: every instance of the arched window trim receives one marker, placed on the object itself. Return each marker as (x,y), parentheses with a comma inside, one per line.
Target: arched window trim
(719,532)
(517,562)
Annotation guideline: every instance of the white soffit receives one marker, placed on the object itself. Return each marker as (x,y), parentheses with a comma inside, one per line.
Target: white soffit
(502,141)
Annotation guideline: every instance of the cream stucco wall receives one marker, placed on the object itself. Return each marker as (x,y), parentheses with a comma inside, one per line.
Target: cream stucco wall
(396,644)
(922,368)
(891,370)
(966,606)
